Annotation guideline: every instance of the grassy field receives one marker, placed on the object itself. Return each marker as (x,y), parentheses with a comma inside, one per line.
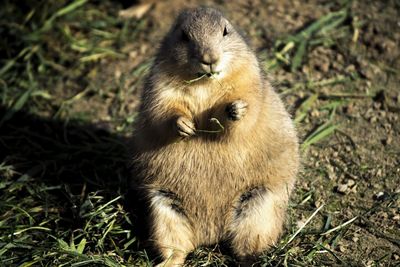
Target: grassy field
(70,76)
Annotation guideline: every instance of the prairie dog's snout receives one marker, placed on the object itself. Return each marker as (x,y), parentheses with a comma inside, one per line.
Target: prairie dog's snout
(209,59)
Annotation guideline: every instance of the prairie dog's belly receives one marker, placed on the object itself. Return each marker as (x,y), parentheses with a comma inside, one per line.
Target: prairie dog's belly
(206,175)
(206,181)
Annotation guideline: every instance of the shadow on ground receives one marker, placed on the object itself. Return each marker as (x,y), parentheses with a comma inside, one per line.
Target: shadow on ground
(69,161)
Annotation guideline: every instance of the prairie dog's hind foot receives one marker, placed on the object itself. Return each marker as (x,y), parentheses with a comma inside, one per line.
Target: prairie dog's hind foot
(257,222)
(176,261)
(237,110)
(172,232)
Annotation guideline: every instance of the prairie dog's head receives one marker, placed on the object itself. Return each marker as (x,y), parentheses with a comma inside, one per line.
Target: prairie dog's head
(202,42)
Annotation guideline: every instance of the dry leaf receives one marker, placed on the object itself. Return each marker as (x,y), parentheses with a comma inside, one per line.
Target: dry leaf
(136,11)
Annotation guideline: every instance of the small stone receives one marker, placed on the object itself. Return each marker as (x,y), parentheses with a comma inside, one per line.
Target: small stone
(339,57)
(386,141)
(383,215)
(380,195)
(342,188)
(351,68)
(354,189)
(351,182)
(324,67)
(349,109)
(133,54)
(377,105)
(342,249)
(117,73)
(387,126)
(305,69)
(347,187)
(315,113)
(331,173)
(143,48)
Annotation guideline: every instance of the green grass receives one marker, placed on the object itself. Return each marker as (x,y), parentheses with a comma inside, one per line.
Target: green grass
(325,31)
(64,180)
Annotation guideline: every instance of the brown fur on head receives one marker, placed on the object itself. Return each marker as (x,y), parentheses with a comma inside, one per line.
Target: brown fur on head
(201,42)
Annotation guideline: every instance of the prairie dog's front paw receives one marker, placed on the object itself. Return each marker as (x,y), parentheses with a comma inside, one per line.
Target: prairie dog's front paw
(185,127)
(237,109)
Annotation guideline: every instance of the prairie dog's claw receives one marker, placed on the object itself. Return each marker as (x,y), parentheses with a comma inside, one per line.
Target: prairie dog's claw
(237,109)
(185,126)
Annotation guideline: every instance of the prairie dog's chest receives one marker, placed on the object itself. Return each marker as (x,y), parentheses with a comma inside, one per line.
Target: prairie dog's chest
(199,100)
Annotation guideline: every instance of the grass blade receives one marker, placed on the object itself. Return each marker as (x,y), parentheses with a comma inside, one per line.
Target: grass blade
(305,107)
(304,225)
(19,103)
(320,133)
(298,57)
(81,246)
(63,11)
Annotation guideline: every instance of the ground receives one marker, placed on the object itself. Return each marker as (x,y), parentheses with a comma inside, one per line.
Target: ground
(70,76)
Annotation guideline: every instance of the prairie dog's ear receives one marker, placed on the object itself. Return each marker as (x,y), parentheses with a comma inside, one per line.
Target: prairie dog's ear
(176,25)
(184,36)
(181,16)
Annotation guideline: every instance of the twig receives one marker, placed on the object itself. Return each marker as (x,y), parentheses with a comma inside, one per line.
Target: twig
(343,95)
(214,120)
(301,228)
(340,226)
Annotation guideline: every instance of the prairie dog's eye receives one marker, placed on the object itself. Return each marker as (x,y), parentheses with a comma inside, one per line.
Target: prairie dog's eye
(225,31)
(184,36)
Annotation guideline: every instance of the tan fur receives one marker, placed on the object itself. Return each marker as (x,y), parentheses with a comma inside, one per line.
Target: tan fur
(231,185)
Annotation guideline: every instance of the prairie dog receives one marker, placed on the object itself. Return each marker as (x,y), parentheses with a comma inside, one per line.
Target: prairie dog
(216,153)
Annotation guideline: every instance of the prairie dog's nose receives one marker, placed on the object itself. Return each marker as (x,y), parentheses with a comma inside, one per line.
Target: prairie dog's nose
(209,57)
